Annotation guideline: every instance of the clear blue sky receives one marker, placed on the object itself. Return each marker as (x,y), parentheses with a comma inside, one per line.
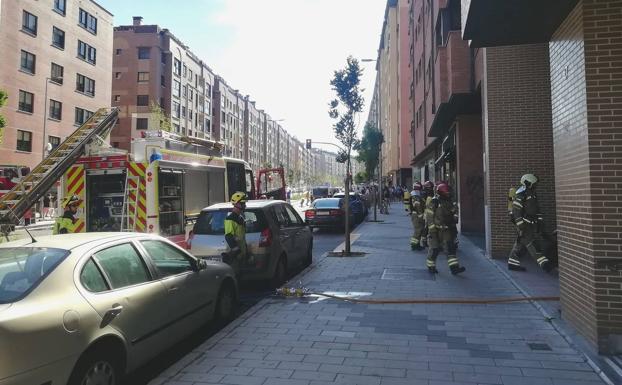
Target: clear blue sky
(280,52)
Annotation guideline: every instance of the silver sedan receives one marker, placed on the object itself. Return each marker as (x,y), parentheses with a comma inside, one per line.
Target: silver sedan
(88,308)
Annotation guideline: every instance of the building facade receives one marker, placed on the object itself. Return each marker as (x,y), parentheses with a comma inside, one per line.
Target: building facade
(55,67)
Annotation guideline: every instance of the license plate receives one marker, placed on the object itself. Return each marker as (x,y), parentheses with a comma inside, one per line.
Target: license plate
(214,258)
(322,213)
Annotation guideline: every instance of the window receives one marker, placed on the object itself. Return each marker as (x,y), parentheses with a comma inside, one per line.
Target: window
(185,89)
(88,21)
(177,67)
(163,81)
(85,85)
(56,109)
(185,70)
(92,279)
(118,51)
(143,77)
(86,52)
(190,75)
(28,62)
(117,75)
(294,218)
(60,6)
(144,52)
(122,265)
(82,115)
(163,58)
(142,100)
(54,141)
(56,73)
(166,258)
(26,101)
(29,23)
(176,110)
(176,88)
(24,141)
(58,38)
(183,111)
(117,98)
(142,123)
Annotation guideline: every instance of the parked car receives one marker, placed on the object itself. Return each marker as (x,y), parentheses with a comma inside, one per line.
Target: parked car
(276,236)
(357,205)
(328,213)
(88,308)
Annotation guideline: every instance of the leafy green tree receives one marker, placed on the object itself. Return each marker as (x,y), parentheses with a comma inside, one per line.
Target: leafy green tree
(360,177)
(160,117)
(344,110)
(3,99)
(369,148)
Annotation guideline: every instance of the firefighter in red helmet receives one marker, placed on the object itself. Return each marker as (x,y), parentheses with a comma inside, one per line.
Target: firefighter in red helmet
(417,210)
(441,223)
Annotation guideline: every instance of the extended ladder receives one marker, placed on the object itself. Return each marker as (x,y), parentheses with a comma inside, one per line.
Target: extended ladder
(15,203)
(130,202)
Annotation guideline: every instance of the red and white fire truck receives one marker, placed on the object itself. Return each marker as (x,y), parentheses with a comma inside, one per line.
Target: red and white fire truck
(159,187)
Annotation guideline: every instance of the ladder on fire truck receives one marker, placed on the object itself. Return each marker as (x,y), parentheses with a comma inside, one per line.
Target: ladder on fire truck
(130,202)
(15,203)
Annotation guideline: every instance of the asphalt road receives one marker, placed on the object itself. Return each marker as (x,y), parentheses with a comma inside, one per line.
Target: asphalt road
(323,241)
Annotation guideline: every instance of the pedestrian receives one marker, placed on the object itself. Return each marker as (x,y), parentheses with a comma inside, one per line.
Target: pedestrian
(417,210)
(46,206)
(66,223)
(529,222)
(235,233)
(426,196)
(440,220)
(289,195)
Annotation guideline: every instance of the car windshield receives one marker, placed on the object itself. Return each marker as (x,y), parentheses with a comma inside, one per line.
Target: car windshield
(23,268)
(320,191)
(213,222)
(327,204)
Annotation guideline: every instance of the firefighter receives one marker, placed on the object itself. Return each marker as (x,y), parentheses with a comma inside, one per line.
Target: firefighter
(235,232)
(417,209)
(427,194)
(529,224)
(65,224)
(440,219)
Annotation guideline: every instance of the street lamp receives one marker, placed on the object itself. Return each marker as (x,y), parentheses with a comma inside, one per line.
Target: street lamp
(45,114)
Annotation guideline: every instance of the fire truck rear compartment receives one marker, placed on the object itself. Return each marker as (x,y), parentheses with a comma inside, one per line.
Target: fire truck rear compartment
(104,203)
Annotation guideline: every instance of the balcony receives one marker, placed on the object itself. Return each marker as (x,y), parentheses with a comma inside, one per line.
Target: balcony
(489,23)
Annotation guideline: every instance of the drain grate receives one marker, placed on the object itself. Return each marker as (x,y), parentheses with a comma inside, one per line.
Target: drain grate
(539,346)
(406,274)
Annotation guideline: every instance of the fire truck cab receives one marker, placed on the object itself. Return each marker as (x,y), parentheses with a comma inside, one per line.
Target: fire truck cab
(159,187)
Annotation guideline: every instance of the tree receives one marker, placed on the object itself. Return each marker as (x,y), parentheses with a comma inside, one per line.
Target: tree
(369,148)
(3,98)
(360,177)
(344,110)
(159,116)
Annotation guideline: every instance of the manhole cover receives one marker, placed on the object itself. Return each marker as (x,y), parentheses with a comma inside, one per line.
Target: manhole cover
(537,346)
(406,274)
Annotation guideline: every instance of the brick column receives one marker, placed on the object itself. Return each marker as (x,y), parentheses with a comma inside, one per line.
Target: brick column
(586,81)
(517,135)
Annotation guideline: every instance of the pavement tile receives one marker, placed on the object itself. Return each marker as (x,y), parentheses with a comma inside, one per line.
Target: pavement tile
(519,363)
(236,370)
(430,374)
(289,381)
(242,380)
(345,369)
(346,353)
(558,374)
(519,380)
(384,372)
(272,373)
(352,379)
(284,357)
(310,366)
(259,364)
(313,375)
(478,378)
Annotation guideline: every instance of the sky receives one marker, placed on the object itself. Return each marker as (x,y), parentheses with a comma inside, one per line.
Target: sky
(280,52)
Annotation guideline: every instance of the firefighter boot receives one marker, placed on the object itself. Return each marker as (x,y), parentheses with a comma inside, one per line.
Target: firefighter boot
(514,264)
(431,261)
(454,266)
(545,264)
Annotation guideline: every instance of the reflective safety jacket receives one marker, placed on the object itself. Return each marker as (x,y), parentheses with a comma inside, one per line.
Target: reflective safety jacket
(525,208)
(65,224)
(235,232)
(417,204)
(440,215)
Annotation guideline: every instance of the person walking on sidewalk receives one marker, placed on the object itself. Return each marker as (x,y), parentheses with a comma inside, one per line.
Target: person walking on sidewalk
(417,210)
(441,218)
(235,232)
(529,223)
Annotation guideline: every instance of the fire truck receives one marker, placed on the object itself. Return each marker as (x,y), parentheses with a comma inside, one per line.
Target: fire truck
(160,186)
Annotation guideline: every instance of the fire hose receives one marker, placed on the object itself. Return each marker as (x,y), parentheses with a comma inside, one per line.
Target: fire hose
(302,292)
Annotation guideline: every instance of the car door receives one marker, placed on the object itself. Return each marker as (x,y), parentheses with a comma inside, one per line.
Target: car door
(119,285)
(191,293)
(286,232)
(300,233)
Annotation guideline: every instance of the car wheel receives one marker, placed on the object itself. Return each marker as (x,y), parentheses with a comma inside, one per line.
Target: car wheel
(280,273)
(97,367)
(226,303)
(309,256)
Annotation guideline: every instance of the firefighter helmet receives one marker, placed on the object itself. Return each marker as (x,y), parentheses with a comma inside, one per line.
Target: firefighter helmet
(417,186)
(72,200)
(528,180)
(443,190)
(238,197)
(427,185)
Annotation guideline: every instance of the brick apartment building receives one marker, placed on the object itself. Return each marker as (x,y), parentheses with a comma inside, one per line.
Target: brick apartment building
(551,95)
(55,66)
(153,68)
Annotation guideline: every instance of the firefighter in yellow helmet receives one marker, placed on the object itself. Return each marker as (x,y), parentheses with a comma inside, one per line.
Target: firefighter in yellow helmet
(66,223)
(417,210)
(235,232)
(529,222)
(441,221)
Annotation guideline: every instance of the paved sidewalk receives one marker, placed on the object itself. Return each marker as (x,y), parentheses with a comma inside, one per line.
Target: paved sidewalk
(313,342)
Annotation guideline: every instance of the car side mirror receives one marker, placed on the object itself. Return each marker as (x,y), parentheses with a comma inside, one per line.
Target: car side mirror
(199,265)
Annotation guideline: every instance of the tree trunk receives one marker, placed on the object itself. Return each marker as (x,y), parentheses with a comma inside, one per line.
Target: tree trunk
(347,204)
